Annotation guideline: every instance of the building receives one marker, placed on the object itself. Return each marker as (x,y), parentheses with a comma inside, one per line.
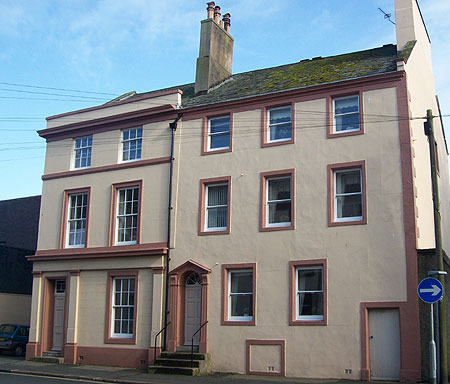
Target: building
(299,198)
(18,238)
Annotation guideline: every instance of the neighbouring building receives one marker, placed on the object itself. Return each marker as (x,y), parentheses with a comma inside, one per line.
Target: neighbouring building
(299,195)
(18,238)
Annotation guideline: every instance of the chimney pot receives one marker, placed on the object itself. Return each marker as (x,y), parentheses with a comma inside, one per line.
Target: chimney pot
(227,22)
(217,14)
(210,9)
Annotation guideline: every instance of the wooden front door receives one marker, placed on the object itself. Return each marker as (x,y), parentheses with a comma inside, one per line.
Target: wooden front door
(58,316)
(192,308)
(384,337)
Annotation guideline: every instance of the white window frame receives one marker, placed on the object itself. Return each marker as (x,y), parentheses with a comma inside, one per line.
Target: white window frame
(298,292)
(336,195)
(211,134)
(128,141)
(124,215)
(84,198)
(230,294)
(207,207)
(344,114)
(87,149)
(130,307)
(267,203)
(269,126)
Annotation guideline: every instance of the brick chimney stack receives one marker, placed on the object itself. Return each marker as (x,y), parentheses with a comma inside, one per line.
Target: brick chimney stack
(215,60)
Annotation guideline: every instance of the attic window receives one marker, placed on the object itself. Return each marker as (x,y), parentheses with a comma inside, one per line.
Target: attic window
(346,114)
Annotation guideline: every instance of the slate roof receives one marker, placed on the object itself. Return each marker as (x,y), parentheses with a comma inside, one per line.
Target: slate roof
(302,74)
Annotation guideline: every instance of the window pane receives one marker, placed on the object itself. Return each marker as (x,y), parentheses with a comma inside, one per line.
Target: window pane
(348,182)
(346,105)
(310,279)
(217,195)
(279,212)
(241,282)
(242,305)
(221,124)
(280,115)
(217,217)
(220,141)
(346,122)
(310,304)
(279,132)
(280,189)
(349,206)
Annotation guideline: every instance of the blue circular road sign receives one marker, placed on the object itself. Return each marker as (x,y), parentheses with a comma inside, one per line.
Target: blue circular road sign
(430,290)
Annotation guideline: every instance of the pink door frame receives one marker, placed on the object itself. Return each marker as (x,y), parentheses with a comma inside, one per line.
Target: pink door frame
(178,278)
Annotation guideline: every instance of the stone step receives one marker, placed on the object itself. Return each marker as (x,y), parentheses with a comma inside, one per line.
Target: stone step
(187,348)
(52,353)
(178,362)
(48,359)
(173,370)
(183,355)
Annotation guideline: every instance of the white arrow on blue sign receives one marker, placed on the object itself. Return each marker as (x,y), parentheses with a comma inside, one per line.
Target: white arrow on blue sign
(430,290)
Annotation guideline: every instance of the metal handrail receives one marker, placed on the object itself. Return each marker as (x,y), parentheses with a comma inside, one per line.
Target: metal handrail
(156,336)
(192,342)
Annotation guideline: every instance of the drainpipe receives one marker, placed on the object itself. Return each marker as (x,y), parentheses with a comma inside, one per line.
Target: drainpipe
(173,127)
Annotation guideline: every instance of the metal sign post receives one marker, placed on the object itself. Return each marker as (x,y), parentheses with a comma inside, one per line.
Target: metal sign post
(430,291)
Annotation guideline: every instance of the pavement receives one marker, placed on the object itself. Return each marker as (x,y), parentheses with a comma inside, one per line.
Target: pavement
(19,365)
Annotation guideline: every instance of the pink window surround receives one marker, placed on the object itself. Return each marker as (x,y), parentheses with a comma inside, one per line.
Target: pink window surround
(202,205)
(113,209)
(264,176)
(264,125)
(293,265)
(248,345)
(205,134)
(330,115)
(109,339)
(331,169)
(226,268)
(65,214)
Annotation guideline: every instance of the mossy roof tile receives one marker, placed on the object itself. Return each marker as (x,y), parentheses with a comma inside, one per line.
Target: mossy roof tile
(297,75)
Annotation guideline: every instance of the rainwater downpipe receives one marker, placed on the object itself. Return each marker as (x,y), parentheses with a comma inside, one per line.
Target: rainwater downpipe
(173,127)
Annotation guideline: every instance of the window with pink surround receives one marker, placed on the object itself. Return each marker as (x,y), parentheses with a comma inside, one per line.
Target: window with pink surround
(347,201)
(215,199)
(308,293)
(277,200)
(239,294)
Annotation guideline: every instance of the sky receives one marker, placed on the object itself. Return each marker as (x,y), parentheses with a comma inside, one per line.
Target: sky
(62,55)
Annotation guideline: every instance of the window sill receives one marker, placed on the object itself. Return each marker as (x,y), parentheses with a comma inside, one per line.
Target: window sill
(308,322)
(332,135)
(120,340)
(220,232)
(276,143)
(239,323)
(277,228)
(216,151)
(349,222)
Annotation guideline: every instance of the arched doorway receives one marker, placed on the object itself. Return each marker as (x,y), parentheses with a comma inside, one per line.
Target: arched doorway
(188,306)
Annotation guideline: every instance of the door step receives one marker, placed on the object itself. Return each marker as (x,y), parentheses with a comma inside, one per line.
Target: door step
(48,359)
(179,363)
(186,348)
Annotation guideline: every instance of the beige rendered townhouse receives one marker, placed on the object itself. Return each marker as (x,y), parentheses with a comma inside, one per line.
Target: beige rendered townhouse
(300,198)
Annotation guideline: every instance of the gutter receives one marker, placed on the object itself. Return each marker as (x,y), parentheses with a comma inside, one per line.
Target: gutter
(173,127)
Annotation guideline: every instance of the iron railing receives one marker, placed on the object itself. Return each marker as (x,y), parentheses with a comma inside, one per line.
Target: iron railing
(192,342)
(156,337)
